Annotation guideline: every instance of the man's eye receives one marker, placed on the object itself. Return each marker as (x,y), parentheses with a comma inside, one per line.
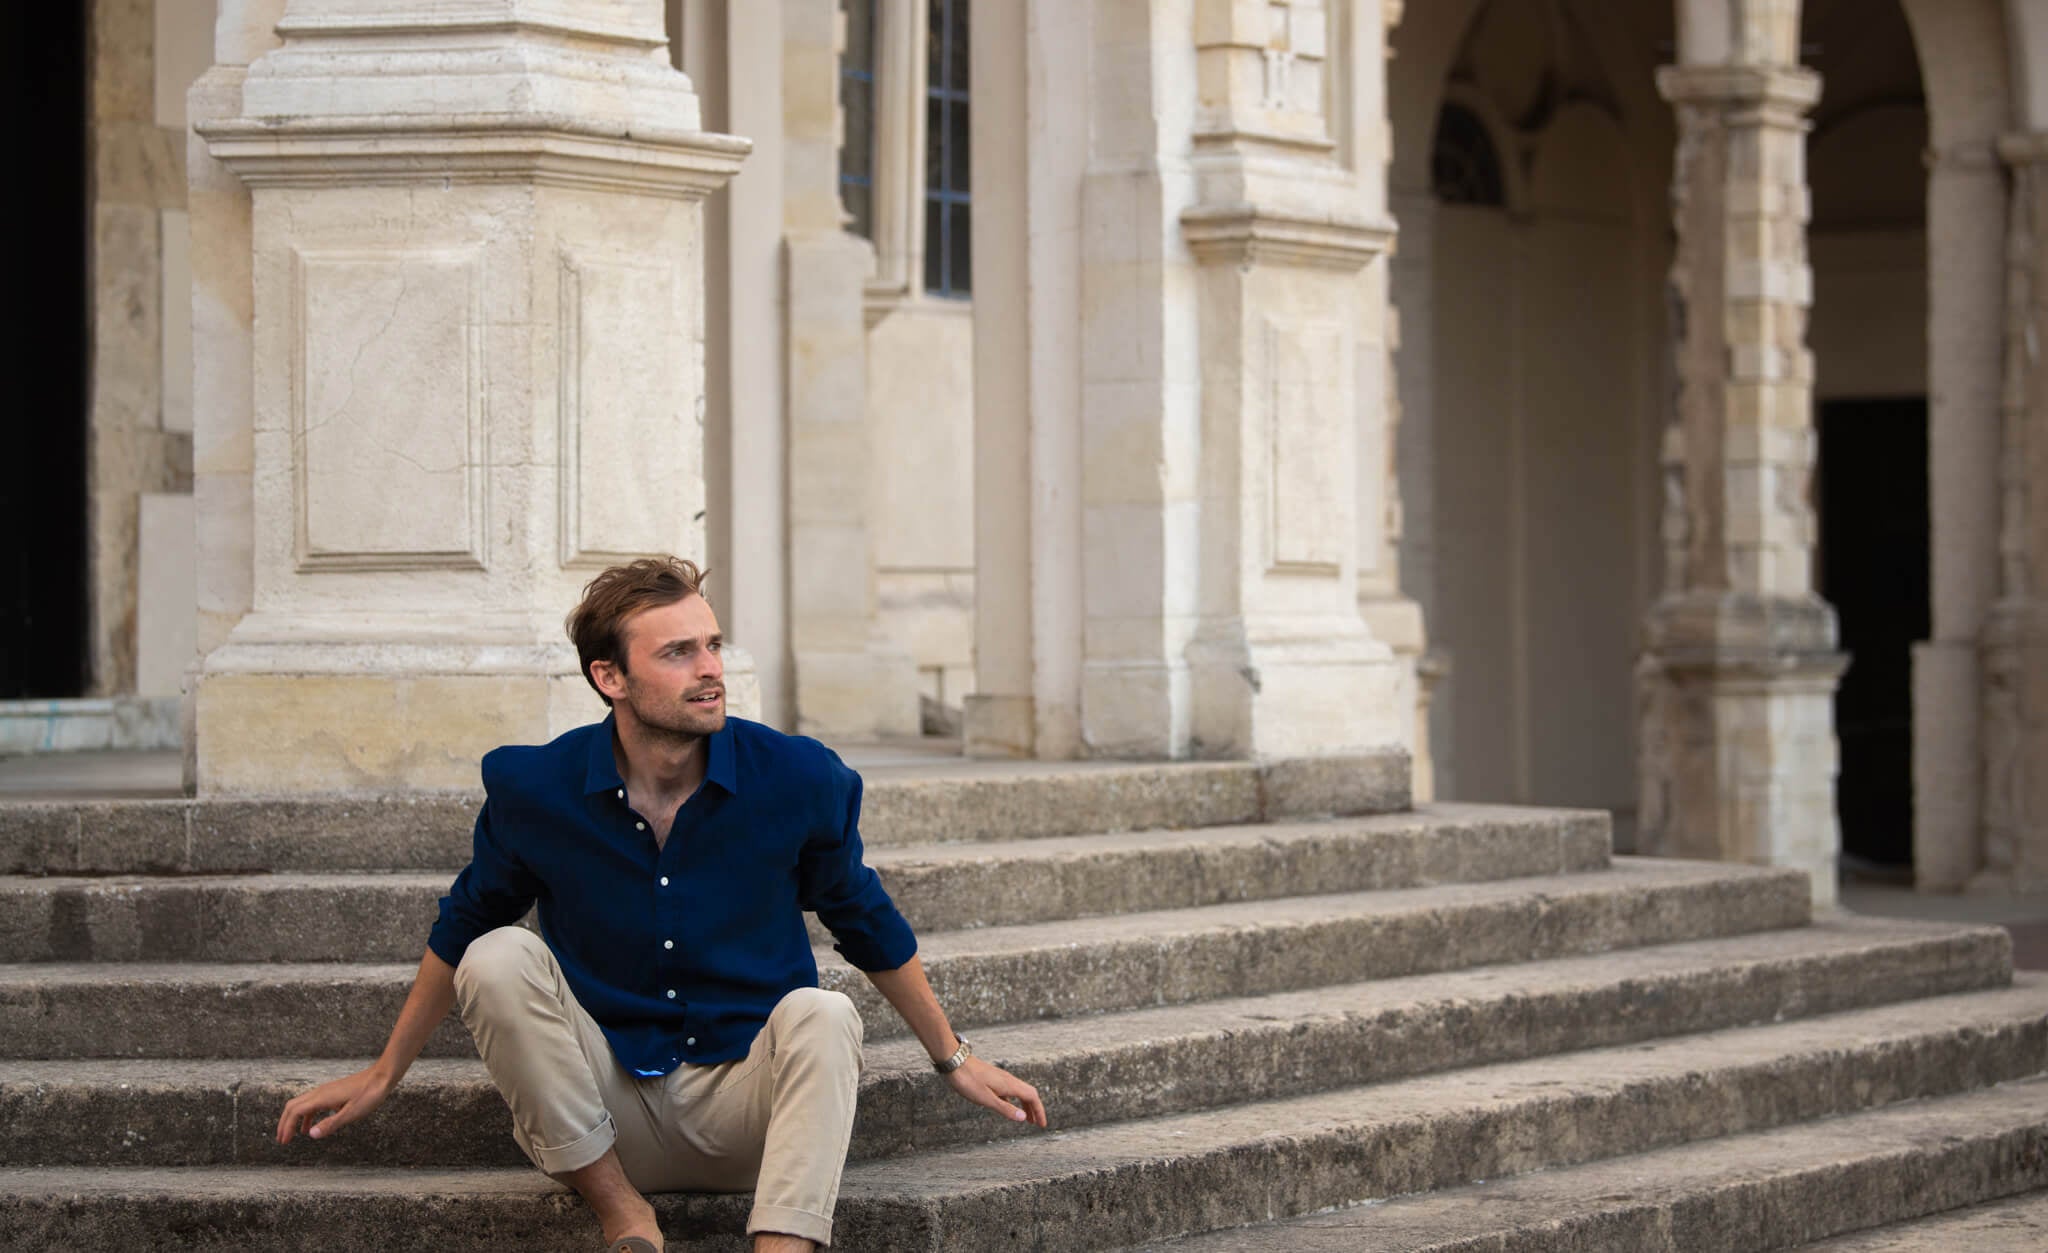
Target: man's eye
(717,646)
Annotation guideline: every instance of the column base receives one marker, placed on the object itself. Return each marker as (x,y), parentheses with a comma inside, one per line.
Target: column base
(857,695)
(1135,710)
(1948,765)
(999,726)
(1738,751)
(2014,846)
(1265,694)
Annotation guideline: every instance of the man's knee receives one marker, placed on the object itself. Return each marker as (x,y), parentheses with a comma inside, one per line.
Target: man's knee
(496,959)
(817,1014)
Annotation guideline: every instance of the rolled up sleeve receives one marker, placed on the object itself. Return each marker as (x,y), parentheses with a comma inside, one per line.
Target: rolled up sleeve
(847,895)
(494,890)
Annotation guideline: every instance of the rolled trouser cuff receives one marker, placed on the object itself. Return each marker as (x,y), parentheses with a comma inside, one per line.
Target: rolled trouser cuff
(579,1152)
(784,1221)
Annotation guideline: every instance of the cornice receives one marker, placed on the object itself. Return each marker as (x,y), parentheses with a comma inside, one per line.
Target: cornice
(558,151)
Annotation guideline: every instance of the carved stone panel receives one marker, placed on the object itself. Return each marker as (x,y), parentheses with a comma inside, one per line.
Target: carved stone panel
(387,408)
(631,432)
(1309,510)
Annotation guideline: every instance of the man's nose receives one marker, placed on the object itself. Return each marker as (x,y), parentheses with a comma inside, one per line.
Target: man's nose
(711,665)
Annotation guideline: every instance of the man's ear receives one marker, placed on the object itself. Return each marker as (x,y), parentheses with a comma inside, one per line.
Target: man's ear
(609,679)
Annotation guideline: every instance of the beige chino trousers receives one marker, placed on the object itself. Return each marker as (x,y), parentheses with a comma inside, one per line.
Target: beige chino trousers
(777,1120)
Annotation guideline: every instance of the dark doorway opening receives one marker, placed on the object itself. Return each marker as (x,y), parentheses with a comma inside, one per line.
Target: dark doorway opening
(44,649)
(1872,491)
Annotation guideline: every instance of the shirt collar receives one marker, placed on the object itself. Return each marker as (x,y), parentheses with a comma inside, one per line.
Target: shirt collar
(602,773)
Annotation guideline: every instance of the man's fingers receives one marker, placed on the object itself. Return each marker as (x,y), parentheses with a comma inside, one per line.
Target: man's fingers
(1034,1108)
(985,1095)
(338,1119)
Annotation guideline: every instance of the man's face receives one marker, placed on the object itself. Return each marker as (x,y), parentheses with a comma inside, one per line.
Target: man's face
(674,678)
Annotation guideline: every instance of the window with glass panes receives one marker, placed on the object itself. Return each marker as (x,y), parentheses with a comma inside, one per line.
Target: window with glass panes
(948,228)
(857,106)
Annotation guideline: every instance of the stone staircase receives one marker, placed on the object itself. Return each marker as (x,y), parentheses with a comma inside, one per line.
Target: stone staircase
(1256,1027)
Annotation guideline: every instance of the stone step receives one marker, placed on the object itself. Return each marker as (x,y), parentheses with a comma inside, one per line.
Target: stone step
(2016,1225)
(385,917)
(1127,1183)
(1872,1174)
(961,801)
(990,975)
(1107,1068)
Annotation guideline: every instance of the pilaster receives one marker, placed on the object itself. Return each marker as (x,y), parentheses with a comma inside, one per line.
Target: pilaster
(851,682)
(477,378)
(1290,235)
(1736,685)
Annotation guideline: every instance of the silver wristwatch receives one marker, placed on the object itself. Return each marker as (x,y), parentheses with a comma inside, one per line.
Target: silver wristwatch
(957,1060)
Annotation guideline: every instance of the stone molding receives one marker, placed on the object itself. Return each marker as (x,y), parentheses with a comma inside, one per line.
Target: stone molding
(555,151)
(1785,91)
(2024,148)
(1250,234)
(481,19)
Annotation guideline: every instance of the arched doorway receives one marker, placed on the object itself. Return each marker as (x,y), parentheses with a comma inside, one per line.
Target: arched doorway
(1544,347)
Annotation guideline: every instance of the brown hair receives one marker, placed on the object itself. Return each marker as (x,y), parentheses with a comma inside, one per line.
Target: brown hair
(618,594)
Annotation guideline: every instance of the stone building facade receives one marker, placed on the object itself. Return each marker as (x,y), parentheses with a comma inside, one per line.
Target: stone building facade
(1621,403)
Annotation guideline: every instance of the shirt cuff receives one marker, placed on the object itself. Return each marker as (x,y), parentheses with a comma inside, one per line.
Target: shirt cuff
(886,944)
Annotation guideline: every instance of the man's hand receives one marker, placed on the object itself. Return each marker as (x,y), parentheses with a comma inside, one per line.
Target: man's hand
(991,1085)
(343,1101)
(347,1099)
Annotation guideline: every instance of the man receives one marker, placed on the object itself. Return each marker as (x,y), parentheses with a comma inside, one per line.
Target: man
(669,1032)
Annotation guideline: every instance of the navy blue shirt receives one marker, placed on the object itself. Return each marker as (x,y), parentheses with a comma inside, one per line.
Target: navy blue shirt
(679,953)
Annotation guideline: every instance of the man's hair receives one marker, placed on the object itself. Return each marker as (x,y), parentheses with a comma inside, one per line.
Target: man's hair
(616,595)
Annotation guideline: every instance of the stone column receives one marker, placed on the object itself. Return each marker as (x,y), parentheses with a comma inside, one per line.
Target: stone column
(1031,126)
(1289,229)
(1966,265)
(1737,680)
(2015,647)
(476,233)
(851,682)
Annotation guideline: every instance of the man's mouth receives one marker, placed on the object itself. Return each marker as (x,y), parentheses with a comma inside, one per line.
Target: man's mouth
(711,697)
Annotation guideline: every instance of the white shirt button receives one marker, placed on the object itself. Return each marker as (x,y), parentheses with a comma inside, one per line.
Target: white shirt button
(664,880)
(668,943)
(639,826)
(622,794)
(671,994)
(691,1040)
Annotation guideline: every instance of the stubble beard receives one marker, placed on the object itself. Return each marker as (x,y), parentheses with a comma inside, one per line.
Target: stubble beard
(677,721)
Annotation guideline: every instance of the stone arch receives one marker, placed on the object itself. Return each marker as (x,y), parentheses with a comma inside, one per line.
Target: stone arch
(1965,68)
(1513,173)
(2026,38)
(1584,166)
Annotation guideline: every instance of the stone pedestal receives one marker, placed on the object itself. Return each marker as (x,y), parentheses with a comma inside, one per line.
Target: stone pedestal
(1738,753)
(477,376)
(1282,663)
